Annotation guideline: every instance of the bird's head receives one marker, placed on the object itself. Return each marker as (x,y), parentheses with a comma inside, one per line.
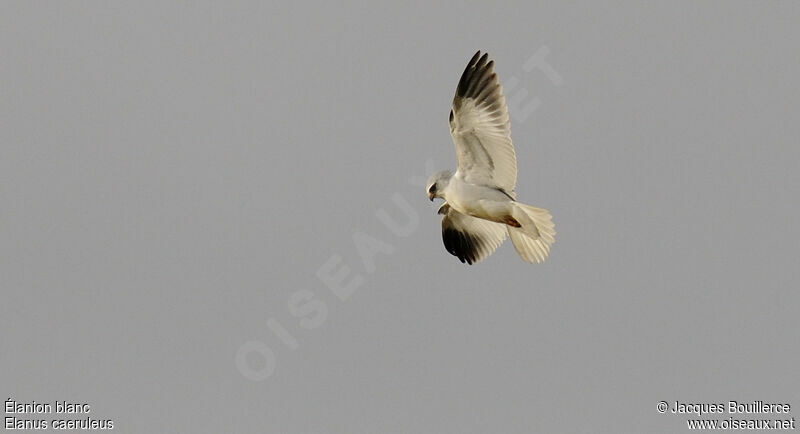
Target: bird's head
(437,182)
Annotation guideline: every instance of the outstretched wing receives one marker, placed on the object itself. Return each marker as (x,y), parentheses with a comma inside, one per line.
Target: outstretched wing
(469,238)
(480,128)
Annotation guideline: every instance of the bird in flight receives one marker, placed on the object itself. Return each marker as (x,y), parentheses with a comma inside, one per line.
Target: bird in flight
(480,207)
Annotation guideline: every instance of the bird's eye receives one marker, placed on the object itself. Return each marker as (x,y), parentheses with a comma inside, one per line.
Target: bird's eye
(432,188)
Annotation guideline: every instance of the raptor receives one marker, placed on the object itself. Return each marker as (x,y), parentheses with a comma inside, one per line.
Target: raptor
(480,206)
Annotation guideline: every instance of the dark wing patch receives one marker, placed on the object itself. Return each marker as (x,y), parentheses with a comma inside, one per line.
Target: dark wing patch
(470,239)
(460,244)
(473,73)
(480,83)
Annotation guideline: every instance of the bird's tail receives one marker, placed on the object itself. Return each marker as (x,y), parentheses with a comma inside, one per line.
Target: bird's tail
(536,233)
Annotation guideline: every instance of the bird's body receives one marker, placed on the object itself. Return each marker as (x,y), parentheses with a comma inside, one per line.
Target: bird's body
(477,200)
(480,207)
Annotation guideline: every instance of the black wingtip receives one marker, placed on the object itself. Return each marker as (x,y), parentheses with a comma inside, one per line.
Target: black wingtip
(476,78)
(482,60)
(475,58)
(460,245)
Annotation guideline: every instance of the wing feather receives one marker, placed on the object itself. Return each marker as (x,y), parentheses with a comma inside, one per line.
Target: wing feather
(481,129)
(468,238)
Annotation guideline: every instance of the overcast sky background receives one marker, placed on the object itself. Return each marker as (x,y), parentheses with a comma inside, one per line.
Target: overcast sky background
(172,173)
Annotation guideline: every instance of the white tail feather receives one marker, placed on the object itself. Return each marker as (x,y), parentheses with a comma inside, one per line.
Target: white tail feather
(533,238)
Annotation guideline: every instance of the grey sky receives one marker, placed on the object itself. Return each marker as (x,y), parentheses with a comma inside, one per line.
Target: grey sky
(171,175)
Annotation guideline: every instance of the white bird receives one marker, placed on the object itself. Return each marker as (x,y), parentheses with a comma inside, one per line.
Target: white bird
(480,206)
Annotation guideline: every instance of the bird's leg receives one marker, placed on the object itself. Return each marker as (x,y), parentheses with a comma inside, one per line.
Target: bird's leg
(498,211)
(511,221)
